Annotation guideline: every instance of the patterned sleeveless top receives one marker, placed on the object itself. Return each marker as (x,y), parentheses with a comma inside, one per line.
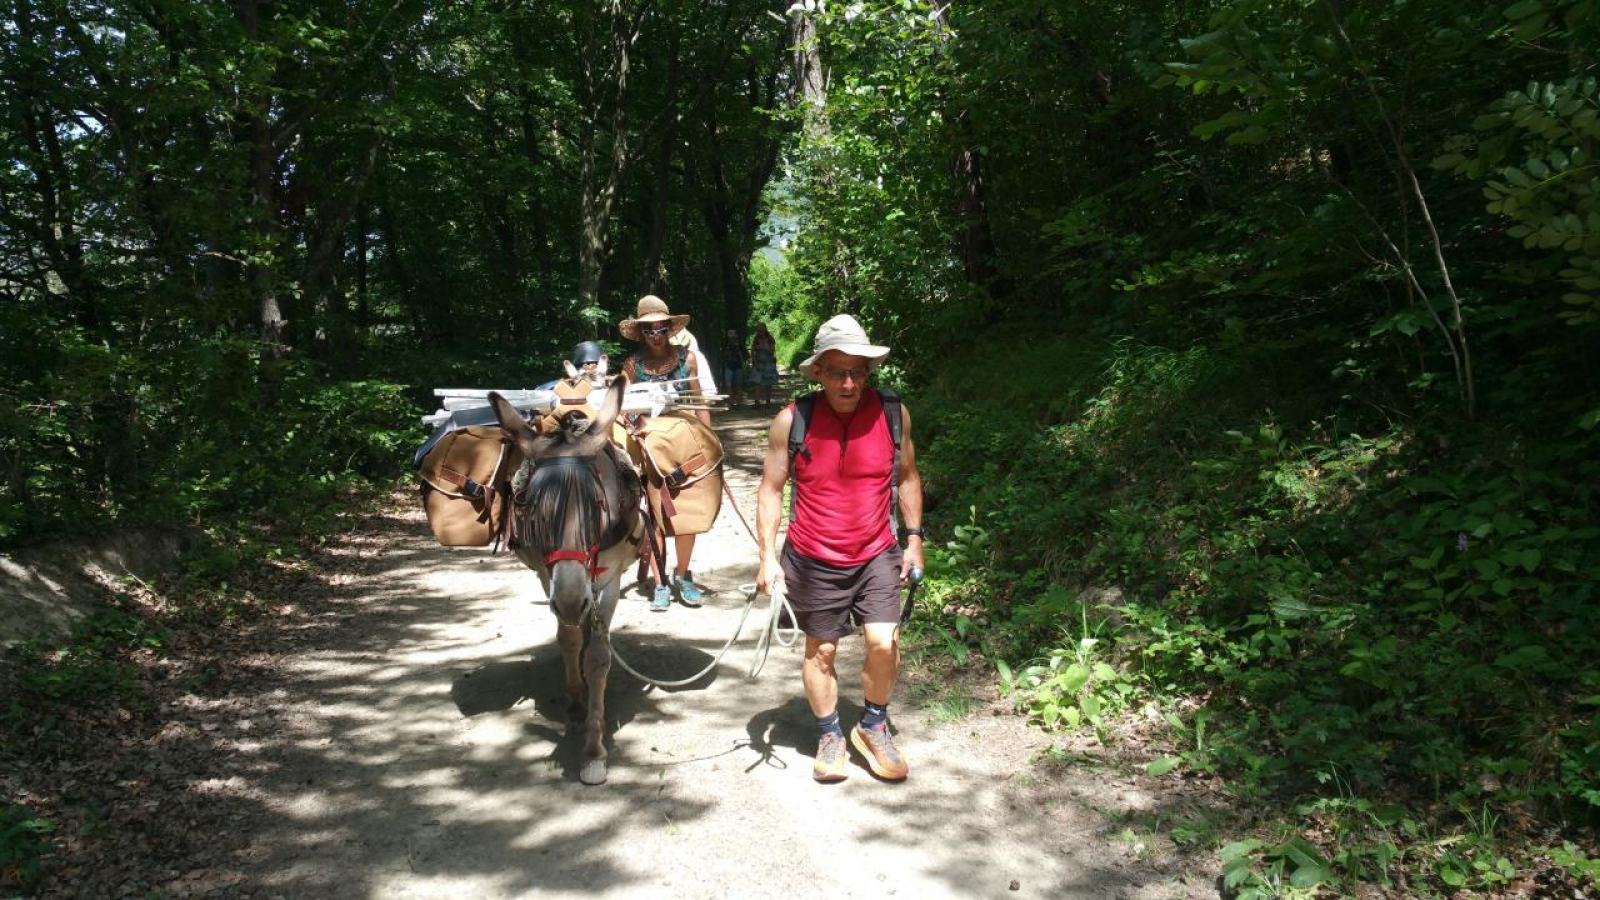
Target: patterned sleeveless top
(677,373)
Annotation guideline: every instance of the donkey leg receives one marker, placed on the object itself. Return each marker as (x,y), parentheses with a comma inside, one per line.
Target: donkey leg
(569,600)
(596,671)
(570,637)
(596,667)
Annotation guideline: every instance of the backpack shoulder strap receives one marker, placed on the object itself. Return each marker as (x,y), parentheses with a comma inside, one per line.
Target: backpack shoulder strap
(803,406)
(891,415)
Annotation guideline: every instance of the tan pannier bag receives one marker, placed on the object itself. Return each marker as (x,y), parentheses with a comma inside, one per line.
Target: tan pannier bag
(682,461)
(464,485)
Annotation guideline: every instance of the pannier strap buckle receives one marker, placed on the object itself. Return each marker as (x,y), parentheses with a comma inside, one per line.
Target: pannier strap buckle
(683,473)
(468,487)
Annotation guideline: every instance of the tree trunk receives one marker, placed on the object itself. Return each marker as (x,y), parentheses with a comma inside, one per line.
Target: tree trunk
(363,303)
(327,241)
(974,239)
(811,96)
(53,229)
(651,276)
(811,80)
(538,237)
(598,179)
(263,200)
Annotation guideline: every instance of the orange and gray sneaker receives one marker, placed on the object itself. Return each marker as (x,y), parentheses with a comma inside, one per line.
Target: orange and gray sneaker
(832,759)
(882,755)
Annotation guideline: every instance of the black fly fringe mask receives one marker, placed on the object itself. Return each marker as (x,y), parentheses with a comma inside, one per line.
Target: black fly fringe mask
(565,505)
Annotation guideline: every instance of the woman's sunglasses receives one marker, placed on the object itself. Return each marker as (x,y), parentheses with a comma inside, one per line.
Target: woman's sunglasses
(656,332)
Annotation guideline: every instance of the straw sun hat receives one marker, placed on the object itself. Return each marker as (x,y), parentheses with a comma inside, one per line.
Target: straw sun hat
(844,334)
(651,309)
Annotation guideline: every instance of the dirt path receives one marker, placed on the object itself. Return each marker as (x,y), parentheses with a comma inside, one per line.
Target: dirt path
(419,750)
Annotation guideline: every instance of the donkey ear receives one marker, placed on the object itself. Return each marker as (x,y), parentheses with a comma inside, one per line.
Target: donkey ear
(600,370)
(512,424)
(600,429)
(572,370)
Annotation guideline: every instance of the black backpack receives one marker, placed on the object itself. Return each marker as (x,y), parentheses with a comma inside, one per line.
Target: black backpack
(807,402)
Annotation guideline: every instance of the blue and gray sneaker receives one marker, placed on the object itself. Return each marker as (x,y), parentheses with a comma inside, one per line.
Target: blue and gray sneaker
(661,599)
(688,593)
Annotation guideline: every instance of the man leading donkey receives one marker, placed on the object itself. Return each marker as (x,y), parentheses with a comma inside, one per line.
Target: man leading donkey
(841,564)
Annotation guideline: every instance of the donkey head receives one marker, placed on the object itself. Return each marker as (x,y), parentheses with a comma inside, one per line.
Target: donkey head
(565,512)
(578,436)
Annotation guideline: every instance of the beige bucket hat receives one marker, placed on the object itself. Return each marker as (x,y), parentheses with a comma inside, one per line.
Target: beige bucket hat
(651,309)
(844,334)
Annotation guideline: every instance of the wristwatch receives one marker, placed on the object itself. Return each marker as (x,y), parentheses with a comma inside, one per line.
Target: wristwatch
(908,532)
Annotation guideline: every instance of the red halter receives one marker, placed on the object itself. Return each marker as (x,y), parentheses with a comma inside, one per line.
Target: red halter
(589,558)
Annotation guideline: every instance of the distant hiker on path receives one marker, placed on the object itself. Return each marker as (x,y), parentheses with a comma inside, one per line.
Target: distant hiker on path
(732,366)
(763,364)
(841,564)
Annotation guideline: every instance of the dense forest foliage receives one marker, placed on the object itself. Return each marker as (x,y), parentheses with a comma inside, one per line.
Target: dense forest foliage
(1251,344)
(228,233)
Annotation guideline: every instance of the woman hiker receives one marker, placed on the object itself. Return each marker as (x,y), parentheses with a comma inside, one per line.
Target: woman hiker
(763,363)
(732,366)
(653,325)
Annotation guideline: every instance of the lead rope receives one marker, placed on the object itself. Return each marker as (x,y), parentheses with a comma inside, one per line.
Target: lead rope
(773,630)
(778,601)
(749,602)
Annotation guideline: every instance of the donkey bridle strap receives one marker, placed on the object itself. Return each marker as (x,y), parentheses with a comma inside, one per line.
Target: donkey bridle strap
(588,557)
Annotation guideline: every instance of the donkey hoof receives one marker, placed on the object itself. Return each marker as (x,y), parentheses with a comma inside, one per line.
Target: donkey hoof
(593,772)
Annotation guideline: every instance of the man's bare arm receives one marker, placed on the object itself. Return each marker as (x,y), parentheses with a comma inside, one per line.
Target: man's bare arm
(910,493)
(769,497)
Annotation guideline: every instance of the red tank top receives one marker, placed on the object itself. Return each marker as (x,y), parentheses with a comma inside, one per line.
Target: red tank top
(841,484)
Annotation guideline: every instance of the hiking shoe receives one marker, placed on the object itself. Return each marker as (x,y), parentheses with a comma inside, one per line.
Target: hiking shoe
(831,763)
(882,755)
(688,593)
(661,599)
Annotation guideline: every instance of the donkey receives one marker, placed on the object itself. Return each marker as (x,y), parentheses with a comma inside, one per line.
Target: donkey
(577,524)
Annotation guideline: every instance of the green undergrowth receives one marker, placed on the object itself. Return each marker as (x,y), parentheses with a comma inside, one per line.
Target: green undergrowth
(1366,613)
(213,433)
(24,841)
(214,436)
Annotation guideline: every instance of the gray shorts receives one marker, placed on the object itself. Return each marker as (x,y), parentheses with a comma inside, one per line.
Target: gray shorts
(830,601)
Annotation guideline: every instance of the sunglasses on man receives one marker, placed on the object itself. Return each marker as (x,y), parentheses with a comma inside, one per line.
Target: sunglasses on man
(835,374)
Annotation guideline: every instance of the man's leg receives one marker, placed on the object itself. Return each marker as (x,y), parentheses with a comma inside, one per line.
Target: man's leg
(883,661)
(871,736)
(822,692)
(819,677)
